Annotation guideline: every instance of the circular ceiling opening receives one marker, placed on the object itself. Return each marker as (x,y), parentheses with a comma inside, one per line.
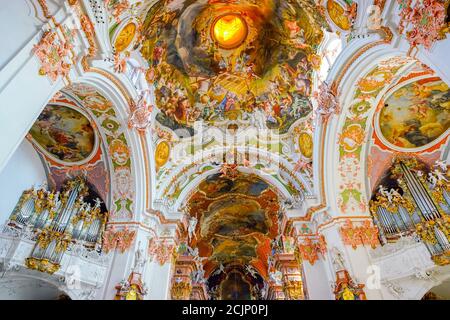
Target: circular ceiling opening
(229,31)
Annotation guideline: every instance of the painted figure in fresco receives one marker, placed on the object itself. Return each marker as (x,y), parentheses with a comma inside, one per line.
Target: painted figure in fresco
(65,133)
(416,114)
(257,64)
(258,119)
(303,84)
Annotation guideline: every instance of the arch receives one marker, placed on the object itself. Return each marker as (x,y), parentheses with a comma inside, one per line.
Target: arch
(118,89)
(280,182)
(353,127)
(114,136)
(108,108)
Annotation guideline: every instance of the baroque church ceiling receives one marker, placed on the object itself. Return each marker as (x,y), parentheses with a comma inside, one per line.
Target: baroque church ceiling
(222,61)
(217,130)
(237,219)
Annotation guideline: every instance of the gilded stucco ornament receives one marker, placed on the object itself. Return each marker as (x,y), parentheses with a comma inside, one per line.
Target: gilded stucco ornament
(161,250)
(327,100)
(132,288)
(181,290)
(310,250)
(364,234)
(423,21)
(346,289)
(53,53)
(140,114)
(118,239)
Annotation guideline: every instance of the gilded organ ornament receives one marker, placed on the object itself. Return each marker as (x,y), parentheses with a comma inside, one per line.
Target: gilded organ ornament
(417,206)
(59,221)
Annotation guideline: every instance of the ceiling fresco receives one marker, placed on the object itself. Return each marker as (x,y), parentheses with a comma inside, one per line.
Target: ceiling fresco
(64,133)
(237,219)
(232,60)
(416,114)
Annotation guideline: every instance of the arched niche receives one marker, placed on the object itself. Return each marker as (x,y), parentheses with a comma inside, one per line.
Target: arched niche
(29,288)
(439,292)
(109,167)
(363,88)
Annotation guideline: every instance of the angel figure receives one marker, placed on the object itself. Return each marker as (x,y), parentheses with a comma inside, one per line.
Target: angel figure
(432,179)
(385,193)
(442,165)
(440,176)
(395,194)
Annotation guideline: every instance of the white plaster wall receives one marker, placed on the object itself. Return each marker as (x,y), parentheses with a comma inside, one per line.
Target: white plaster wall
(22,171)
(317,283)
(19,25)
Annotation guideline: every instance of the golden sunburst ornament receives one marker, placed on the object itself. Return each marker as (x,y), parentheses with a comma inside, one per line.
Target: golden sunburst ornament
(229,31)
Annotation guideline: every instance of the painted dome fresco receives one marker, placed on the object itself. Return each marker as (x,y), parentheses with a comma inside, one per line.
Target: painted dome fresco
(237,220)
(64,133)
(416,114)
(230,60)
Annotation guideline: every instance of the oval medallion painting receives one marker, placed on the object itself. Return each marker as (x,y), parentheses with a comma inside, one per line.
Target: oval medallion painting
(125,37)
(64,133)
(162,154)
(416,114)
(305,143)
(338,16)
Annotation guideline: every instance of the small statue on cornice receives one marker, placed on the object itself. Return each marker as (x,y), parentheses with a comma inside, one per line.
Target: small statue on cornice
(139,260)
(338,259)
(191,228)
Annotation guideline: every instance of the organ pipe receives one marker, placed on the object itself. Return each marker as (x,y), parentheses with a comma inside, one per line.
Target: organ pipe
(422,209)
(58,220)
